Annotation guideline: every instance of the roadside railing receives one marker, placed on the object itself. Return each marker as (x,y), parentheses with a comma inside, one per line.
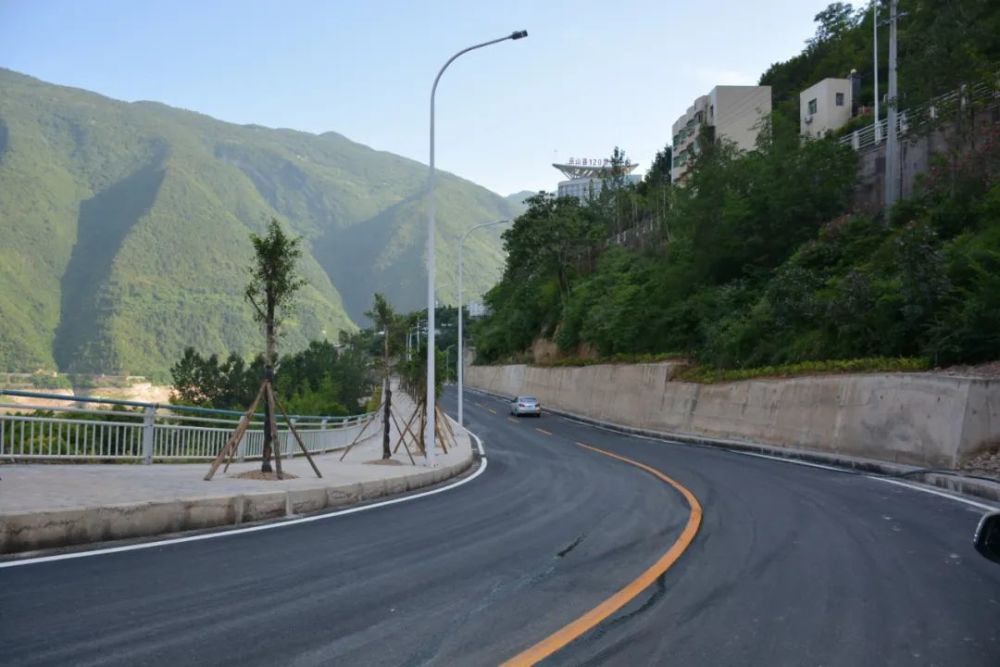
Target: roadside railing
(150,432)
(924,116)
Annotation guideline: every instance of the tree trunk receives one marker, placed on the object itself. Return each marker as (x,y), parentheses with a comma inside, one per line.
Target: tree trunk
(387,381)
(386,445)
(265,462)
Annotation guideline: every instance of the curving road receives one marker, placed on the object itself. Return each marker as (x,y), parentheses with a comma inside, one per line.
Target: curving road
(791,565)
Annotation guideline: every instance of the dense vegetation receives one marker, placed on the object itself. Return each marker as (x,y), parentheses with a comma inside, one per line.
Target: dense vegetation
(323,379)
(942,44)
(759,260)
(123,230)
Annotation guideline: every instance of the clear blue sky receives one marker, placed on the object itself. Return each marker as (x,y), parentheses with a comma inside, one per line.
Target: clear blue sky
(592,74)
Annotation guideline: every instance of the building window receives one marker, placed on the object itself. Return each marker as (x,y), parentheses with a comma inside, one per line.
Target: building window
(840,99)
(812,106)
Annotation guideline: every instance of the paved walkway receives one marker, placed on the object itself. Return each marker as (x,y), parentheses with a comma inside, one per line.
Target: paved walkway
(53,488)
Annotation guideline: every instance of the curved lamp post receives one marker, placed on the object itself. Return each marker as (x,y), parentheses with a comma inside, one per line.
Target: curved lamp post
(431,402)
(461,344)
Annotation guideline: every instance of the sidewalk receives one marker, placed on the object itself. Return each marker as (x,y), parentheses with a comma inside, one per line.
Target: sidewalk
(43,505)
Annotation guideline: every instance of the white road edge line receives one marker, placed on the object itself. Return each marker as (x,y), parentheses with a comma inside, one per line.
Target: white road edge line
(934,492)
(250,529)
(808,464)
(479,442)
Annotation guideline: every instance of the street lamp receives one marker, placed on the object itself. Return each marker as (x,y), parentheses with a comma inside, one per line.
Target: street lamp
(461,346)
(431,402)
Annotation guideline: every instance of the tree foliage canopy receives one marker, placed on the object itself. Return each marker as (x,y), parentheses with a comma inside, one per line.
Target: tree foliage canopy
(759,260)
(273,280)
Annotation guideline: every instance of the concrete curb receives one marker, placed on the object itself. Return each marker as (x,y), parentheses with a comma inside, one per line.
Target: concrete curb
(30,531)
(952,481)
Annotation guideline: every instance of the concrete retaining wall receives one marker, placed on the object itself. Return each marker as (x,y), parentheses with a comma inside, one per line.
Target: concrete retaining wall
(921,419)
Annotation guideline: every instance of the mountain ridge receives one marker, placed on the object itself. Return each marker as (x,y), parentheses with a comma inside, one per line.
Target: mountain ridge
(124,225)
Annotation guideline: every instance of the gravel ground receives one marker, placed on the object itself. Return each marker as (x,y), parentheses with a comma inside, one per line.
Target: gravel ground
(986,464)
(988,370)
(270,476)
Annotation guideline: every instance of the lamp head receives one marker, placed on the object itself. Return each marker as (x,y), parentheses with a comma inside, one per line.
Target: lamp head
(519,34)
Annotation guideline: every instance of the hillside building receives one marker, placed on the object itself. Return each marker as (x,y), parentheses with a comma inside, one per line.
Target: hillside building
(828,105)
(732,112)
(585,177)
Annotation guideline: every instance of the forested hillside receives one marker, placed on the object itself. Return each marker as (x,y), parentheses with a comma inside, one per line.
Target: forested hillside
(759,260)
(124,230)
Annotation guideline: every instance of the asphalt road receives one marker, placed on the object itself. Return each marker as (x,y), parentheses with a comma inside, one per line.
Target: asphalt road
(792,565)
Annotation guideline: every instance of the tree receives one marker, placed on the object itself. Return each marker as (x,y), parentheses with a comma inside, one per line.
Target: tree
(546,239)
(834,21)
(272,287)
(384,318)
(659,170)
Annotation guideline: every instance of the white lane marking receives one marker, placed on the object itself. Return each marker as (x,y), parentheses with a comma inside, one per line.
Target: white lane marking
(808,464)
(479,444)
(935,492)
(240,531)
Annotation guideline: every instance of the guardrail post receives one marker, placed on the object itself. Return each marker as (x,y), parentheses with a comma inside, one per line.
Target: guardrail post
(148,433)
(322,427)
(241,448)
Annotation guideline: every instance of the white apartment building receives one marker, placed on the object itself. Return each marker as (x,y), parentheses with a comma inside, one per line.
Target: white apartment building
(734,112)
(824,107)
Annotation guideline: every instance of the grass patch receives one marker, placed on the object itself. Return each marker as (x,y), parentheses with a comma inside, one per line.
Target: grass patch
(709,375)
(614,359)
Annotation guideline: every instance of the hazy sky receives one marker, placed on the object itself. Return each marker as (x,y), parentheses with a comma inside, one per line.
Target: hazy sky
(591,75)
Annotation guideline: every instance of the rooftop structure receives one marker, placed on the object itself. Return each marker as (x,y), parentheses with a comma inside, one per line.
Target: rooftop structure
(586,176)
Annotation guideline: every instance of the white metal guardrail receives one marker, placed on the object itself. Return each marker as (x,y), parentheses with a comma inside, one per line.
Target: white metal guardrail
(151,433)
(925,115)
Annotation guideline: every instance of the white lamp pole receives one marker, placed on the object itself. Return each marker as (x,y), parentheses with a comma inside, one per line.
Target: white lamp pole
(461,344)
(429,439)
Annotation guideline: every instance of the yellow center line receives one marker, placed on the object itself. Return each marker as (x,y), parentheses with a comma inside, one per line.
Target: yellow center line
(492,410)
(592,618)
(542,430)
(480,405)
(513,420)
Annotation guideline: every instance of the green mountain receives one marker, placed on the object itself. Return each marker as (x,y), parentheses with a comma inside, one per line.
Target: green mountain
(517,200)
(124,230)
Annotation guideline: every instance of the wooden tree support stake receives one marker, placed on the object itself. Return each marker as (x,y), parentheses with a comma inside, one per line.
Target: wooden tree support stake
(234,439)
(407,431)
(295,433)
(358,436)
(401,439)
(275,443)
(447,426)
(439,431)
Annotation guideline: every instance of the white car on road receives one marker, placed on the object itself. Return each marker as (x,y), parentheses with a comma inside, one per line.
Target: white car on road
(525,405)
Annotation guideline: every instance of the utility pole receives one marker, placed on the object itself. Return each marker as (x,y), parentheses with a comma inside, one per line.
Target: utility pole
(875,62)
(892,138)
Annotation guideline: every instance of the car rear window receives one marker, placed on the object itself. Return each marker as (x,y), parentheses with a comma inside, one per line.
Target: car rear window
(528,399)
